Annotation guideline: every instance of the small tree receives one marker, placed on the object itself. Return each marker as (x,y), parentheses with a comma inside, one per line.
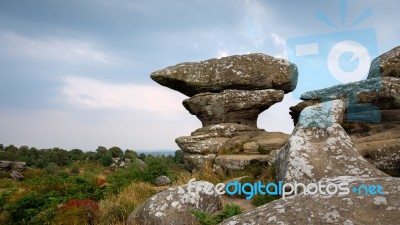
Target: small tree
(106,160)
(178,158)
(130,154)
(101,150)
(116,152)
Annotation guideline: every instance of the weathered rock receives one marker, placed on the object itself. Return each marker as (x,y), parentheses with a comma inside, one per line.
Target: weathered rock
(122,164)
(296,110)
(320,148)
(383,88)
(372,100)
(16,175)
(12,165)
(232,106)
(386,65)
(228,163)
(173,206)
(140,163)
(239,72)
(162,181)
(351,209)
(198,161)
(127,160)
(230,138)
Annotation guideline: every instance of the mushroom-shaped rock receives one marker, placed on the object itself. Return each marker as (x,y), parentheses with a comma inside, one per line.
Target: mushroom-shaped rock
(240,72)
(232,106)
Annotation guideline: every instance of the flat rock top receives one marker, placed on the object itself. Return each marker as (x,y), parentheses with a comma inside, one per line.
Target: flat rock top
(242,72)
(386,84)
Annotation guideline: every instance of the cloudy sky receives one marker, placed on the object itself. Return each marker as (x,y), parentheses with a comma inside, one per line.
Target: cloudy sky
(75,73)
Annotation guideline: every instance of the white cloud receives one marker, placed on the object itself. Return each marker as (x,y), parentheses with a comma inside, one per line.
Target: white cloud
(69,50)
(280,43)
(93,94)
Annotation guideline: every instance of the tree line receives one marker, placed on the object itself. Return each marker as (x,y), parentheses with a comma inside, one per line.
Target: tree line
(40,158)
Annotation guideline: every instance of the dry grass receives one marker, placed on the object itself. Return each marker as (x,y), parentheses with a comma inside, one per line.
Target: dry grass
(115,209)
(206,174)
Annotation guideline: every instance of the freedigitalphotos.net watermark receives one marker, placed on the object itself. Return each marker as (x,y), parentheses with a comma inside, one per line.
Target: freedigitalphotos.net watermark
(282,189)
(339,57)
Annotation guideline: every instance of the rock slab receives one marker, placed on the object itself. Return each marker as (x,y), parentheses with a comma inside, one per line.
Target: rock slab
(239,72)
(351,209)
(173,206)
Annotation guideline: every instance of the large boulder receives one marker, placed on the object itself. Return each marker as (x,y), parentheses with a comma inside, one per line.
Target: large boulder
(12,165)
(173,206)
(198,161)
(386,65)
(239,72)
(232,106)
(162,181)
(350,209)
(320,148)
(16,175)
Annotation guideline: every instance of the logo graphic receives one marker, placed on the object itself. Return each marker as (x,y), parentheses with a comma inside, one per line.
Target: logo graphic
(281,189)
(336,58)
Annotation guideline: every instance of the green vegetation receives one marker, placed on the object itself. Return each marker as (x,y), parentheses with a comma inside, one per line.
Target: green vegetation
(76,187)
(207,219)
(262,150)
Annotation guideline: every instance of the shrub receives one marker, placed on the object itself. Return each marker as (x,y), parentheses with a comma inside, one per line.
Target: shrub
(207,219)
(51,168)
(75,169)
(73,216)
(262,150)
(259,199)
(106,160)
(178,158)
(81,211)
(22,211)
(156,166)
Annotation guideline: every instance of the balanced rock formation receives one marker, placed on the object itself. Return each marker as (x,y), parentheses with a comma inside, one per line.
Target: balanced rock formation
(320,148)
(227,95)
(350,209)
(173,206)
(372,116)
